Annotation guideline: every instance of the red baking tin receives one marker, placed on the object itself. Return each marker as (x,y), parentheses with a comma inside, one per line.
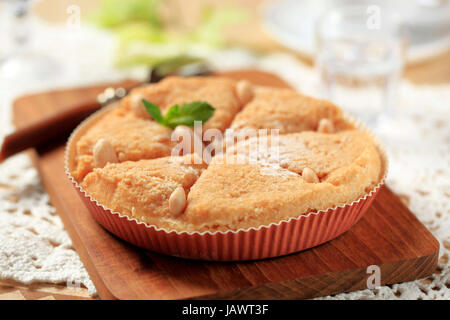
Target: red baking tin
(277,239)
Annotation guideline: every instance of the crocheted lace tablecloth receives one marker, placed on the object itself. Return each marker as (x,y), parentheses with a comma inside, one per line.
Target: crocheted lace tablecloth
(34,247)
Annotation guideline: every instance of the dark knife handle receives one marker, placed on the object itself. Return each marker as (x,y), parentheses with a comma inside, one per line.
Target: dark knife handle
(59,125)
(45,130)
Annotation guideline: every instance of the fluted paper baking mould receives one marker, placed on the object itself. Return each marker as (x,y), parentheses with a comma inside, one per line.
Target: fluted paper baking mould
(267,241)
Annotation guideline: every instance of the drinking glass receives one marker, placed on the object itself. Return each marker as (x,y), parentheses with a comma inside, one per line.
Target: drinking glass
(360,54)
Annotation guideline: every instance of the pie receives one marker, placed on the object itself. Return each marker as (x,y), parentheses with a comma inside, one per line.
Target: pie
(312,159)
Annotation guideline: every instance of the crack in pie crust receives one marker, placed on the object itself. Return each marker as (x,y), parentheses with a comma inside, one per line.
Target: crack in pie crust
(239,196)
(142,189)
(344,164)
(219,92)
(132,132)
(131,137)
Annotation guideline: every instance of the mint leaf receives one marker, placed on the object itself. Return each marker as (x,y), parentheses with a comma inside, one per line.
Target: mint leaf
(154,111)
(185,114)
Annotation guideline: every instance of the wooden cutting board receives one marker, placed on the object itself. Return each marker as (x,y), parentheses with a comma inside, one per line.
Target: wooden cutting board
(388,236)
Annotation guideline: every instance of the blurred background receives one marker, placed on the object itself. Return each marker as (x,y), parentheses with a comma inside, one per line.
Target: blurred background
(360,49)
(386,62)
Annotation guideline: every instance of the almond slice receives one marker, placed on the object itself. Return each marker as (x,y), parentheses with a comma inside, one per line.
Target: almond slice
(244,91)
(191,141)
(138,107)
(177,201)
(325,126)
(309,175)
(104,153)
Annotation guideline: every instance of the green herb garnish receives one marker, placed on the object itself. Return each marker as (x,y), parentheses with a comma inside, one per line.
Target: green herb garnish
(177,115)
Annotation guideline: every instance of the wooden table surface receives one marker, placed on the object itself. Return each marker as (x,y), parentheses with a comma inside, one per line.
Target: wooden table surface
(250,33)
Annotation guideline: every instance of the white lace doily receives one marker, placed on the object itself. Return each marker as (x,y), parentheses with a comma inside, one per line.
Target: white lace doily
(35,247)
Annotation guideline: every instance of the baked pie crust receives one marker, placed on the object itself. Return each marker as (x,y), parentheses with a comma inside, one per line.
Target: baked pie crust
(327,161)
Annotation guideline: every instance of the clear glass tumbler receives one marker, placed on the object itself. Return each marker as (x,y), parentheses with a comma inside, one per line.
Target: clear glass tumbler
(360,55)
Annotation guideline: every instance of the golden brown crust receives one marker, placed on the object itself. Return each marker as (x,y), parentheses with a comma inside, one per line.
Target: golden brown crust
(217,91)
(322,152)
(314,170)
(288,111)
(132,139)
(238,196)
(142,189)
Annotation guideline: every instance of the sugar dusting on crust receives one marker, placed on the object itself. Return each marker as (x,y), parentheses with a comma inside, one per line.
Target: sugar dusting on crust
(275,170)
(269,158)
(188,169)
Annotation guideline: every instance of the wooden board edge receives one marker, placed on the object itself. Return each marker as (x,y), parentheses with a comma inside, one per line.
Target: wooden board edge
(331,284)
